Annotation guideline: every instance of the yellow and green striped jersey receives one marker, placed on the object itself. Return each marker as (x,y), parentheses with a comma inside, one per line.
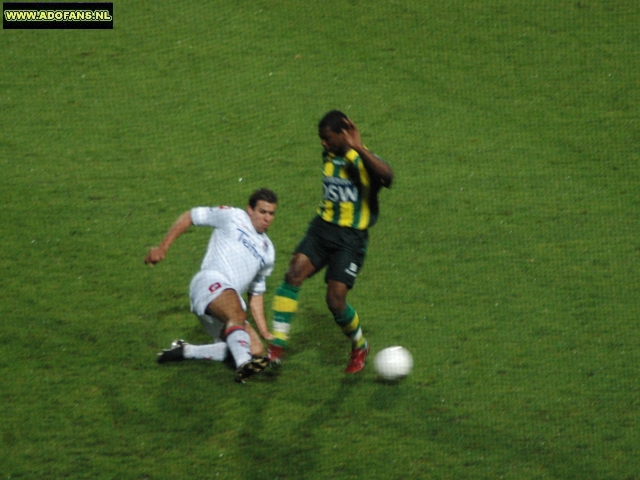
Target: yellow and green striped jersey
(350,196)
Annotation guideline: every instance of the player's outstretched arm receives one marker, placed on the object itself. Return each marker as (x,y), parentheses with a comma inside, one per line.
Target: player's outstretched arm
(374,164)
(181,225)
(256,306)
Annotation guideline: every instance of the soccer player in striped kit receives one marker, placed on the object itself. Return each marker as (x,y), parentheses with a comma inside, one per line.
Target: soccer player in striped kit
(337,237)
(239,257)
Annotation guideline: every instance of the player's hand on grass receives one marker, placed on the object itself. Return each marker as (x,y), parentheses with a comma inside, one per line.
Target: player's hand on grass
(155,255)
(267,335)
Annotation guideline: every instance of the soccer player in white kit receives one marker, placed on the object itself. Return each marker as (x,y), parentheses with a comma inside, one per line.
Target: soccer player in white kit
(239,257)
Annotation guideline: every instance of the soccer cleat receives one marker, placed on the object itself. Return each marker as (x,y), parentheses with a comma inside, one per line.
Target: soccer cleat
(274,355)
(358,358)
(251,367)
(173,354)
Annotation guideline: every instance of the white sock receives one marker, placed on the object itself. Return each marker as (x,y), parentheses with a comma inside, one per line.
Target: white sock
(213,351)
(239,342)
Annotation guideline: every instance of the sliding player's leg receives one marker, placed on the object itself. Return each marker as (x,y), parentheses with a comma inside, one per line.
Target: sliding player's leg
(228,308)
(206,286)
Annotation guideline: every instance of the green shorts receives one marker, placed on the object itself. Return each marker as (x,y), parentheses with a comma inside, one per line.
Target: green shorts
(341,249)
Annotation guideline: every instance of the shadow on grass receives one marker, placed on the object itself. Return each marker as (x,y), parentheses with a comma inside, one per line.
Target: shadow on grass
(299,453)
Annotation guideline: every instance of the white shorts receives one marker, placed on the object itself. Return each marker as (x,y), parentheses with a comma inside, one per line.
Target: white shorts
(205,287)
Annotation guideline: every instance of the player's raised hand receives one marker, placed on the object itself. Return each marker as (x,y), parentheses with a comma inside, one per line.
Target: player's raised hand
(351,134)
(155,255)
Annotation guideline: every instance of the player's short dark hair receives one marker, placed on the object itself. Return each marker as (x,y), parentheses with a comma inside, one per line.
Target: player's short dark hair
(264,194)
(334,120)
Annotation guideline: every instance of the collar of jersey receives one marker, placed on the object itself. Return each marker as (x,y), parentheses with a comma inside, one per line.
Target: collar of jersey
(350,156)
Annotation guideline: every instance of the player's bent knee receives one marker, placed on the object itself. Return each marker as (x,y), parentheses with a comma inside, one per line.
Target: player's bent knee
(300,268)
(295,275)
(293,278)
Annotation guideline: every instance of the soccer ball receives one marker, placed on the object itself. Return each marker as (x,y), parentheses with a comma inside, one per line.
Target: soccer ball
(393,363)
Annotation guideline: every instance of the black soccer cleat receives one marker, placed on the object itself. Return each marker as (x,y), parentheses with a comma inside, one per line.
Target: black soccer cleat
(173,354)
(253,366)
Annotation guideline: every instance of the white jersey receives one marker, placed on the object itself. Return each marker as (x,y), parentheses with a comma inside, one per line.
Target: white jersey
(235,249)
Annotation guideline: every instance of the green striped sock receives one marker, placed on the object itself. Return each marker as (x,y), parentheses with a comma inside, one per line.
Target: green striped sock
(285,304)
(349,322)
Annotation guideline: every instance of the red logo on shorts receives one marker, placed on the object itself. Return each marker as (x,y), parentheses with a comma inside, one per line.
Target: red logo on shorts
(214,287)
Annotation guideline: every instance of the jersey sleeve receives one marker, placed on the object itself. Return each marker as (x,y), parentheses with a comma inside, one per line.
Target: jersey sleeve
(215,217)
(258,285)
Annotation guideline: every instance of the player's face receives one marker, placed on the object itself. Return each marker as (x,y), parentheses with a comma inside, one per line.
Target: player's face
(262,215)
(333,142)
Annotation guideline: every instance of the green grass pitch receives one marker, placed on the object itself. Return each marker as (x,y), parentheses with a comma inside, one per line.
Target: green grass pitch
(506,259)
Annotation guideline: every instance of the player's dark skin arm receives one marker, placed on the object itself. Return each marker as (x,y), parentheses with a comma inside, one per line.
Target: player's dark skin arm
(374,165)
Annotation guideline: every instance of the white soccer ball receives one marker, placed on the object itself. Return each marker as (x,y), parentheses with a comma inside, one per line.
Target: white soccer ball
(393,363)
